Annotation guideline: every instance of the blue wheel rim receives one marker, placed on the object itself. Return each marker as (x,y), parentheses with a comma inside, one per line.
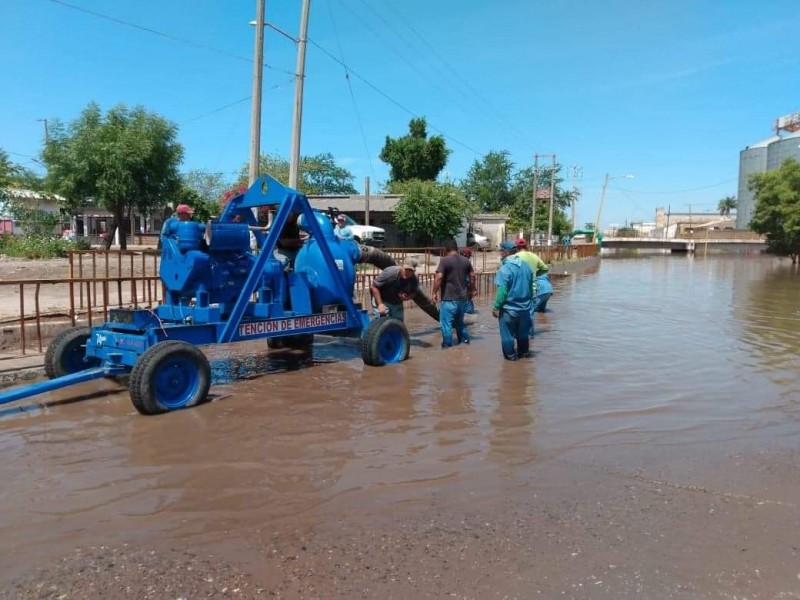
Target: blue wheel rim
(391,347)
(176,382)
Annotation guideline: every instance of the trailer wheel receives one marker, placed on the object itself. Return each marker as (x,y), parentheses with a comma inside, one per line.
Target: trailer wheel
(66,354)
(169,376)
(386,341)
(293,341)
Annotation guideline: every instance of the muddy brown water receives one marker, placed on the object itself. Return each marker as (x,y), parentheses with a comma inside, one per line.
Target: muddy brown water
(650,445)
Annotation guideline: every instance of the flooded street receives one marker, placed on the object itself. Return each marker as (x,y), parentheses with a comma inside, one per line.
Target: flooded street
(649,449)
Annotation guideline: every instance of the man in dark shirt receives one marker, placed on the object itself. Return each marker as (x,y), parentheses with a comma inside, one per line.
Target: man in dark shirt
(392,287)
(456,279)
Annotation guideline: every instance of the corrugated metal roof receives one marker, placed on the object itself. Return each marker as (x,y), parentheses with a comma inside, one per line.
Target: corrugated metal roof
(378,203)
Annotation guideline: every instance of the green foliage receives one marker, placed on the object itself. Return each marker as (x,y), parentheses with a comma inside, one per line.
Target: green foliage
(520,212)
(726,205)
(488,183)
(777,210)
(124,160)
(7,170)
(415,156)
(33,221)
(317,175)
(38,246)
(431,210)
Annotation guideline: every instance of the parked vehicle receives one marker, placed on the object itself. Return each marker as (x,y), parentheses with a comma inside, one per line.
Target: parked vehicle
(477,241)
(362,234)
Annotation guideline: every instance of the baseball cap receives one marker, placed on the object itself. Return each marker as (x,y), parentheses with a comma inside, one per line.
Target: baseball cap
(184,208)
(507,246)
(521,243)
(410,264)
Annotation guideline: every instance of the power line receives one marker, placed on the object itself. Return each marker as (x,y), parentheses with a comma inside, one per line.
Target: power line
(352,94)
(705,187)
(457,77)
(431,81)
(231,104)
(387,96)
(165,35)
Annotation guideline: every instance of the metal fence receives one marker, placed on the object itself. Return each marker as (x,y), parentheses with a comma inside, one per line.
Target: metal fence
(98,280)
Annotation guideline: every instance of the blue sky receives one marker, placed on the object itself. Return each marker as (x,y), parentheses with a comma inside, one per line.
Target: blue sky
(669,91)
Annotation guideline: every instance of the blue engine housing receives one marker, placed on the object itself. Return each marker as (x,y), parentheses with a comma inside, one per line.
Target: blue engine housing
(324,288)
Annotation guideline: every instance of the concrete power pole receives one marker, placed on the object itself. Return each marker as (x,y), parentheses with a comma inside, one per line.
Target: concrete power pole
(366,200)
(297,122)
(533,203)
(552,202)
(258,70)
(576,192)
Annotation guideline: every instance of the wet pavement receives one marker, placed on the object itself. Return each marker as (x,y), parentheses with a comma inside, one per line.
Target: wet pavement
(649,449)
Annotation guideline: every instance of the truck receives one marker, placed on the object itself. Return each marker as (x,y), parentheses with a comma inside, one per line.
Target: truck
(367,235)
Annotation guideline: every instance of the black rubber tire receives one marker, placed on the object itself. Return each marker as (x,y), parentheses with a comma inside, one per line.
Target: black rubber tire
(373,337)
(304,340)
(143,384)
(66,354)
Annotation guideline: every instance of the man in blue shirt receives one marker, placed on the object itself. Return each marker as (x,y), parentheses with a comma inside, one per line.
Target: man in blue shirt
(342,231)
(512,303)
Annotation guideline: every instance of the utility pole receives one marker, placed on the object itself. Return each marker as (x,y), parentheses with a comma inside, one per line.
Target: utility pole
(552,202)
(533,204)
(46,133)
(666,229)
(576,192)
(600,207)
(366,200)
(258,71)
(297,122)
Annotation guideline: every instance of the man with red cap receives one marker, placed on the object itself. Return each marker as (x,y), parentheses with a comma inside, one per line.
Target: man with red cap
(184,212)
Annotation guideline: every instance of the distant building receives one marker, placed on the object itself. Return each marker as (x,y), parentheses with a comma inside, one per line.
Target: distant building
(381,214)
(48,203)
(764,156)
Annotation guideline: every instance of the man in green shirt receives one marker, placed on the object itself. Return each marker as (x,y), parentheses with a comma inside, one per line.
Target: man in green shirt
(539,268)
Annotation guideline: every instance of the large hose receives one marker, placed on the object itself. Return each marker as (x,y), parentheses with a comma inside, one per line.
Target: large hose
(381,260)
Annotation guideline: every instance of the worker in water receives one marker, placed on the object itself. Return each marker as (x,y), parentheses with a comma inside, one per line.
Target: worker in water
(392,287)
(342,230)
(512,303)
(456,279)
(540,277)
(467,253)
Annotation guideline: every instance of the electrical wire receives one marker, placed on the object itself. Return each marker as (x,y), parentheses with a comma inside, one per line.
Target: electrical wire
(232,104)
(468,90)
(697,189)
(352,94)
(168,36)
(380,92)
(434,83)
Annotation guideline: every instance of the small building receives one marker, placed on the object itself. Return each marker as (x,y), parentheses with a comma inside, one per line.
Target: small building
(381,214)
(45,202)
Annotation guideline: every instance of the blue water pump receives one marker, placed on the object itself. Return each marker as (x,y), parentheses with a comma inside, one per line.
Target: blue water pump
(218,289)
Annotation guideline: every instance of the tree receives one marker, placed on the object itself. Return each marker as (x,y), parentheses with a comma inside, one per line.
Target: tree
(431,210)
(522,189)
(488,183)
(124,160)
(415,156)
(726,205)
(777,208)
(7,170)
(317,175)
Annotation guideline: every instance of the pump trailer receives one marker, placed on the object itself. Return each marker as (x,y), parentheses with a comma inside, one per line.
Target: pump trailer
(219,290)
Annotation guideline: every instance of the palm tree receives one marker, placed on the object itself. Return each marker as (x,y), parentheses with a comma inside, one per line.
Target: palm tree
(726,205)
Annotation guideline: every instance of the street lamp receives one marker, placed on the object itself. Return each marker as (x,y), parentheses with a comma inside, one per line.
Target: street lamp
(603,196)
